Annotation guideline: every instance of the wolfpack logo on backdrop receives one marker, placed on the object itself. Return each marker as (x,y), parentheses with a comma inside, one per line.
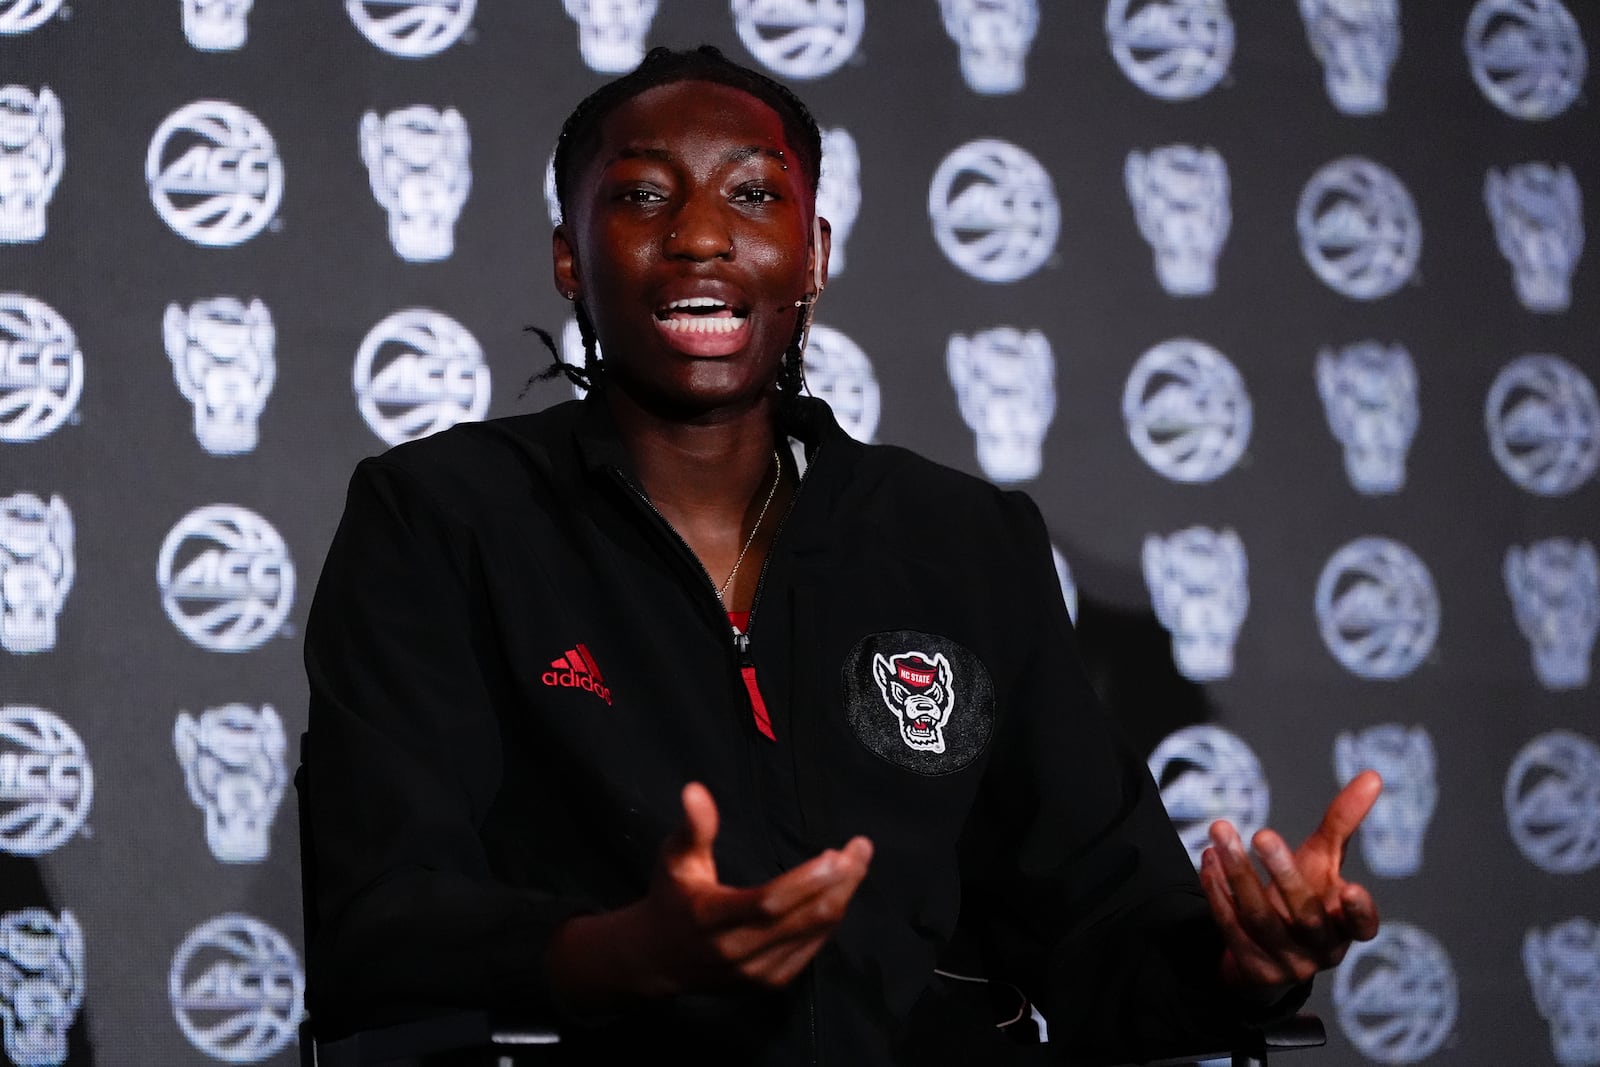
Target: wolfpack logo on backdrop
(838,372)
(994,37)
(41,369)
(1357,42)
(994,211)
(1206,773)
(1537,211)
(411,29)
(1526,55)
(232,760)
(37,565)
(417,165)
(1173,49)
(1005,383)
(1391,835)
(1198,588)
(1069,588)
(1180,199)
(1187,411)
(919,700)
(1555,589)
(1369,393)
(41,984)
(1563,968)
(221,354)
(226,579)
(839,190)
(800,38)
(22,16)
(611,32)
(419,372)
(46,782)
(237,989)
(1359,228)
(1552,800)
(216,25)
(1377,609)
(1544,424)
(31,160)
(214,173)
(1396,995)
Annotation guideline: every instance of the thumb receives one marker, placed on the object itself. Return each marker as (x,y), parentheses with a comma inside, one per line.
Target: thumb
(700,821)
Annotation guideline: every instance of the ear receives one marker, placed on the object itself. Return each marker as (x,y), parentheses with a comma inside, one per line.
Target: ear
(817,258)
(564,260)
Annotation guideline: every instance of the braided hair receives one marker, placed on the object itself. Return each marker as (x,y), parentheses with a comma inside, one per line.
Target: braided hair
(580,135)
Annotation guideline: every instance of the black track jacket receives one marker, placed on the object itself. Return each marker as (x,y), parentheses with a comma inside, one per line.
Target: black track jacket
(515,666)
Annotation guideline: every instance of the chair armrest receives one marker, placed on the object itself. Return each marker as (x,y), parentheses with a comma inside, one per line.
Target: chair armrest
(457,1032)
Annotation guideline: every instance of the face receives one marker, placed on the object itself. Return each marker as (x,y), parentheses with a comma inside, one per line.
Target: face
(688,241)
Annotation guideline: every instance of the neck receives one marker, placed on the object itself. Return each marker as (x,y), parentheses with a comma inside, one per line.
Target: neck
(706,467)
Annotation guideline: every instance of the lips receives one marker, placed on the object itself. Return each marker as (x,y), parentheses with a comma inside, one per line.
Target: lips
(705,324)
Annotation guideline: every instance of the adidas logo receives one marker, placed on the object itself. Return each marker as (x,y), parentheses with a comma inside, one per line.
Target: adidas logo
(577,670)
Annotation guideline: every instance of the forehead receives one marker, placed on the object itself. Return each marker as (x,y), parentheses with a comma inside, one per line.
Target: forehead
(680,117)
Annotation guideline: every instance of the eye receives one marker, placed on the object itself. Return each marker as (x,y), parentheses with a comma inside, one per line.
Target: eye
(640,195)
(756,194)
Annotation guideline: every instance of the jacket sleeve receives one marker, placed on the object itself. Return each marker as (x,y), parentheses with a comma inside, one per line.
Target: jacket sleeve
(1084,895)
(404,914)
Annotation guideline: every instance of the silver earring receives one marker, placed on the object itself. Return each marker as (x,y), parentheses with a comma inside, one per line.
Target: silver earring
(571,294)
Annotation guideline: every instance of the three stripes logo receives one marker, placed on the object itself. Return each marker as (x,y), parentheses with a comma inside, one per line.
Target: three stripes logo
(577,670)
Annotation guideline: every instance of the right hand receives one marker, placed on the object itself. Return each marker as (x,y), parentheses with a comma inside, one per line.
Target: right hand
(691,932)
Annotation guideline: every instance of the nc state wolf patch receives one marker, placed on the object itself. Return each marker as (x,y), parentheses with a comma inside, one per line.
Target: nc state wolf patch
(918,700)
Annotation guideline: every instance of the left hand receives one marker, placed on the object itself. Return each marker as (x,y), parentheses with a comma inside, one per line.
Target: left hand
(1280,932)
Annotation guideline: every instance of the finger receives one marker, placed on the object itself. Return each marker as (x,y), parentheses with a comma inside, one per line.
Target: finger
(1258,918)
(1347,810)
(1303,903)
(793,887)
(816,915)
(700,816)
(1360,912)
(1249,958)
(686,854)
(780,963)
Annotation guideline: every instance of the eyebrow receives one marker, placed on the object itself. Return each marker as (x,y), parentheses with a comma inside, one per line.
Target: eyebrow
(732,155)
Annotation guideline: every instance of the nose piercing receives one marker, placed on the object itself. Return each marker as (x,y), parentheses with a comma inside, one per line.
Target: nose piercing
(673,236)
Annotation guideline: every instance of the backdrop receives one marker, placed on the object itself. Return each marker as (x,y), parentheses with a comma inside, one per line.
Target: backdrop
(1280,311)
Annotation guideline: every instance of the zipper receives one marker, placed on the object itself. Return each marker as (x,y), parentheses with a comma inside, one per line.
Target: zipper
(634,490)
(811,1004)
(743,640)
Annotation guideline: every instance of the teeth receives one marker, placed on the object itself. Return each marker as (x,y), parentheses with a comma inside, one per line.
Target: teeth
(696,302)
(706,325)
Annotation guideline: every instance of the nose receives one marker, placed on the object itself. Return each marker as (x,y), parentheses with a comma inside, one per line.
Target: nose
(699,231)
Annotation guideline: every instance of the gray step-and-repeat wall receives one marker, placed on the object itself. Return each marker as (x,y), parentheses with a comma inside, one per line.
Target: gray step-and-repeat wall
(1279,309)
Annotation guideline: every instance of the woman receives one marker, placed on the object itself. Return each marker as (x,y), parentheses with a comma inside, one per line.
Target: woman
(679,718)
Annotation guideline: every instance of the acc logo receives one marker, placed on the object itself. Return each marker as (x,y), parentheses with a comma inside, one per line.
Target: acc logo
(418,372)
(1396,995)
(1552,799)
(221,353)
(839,190)
(1563,968)
(1359,229)
(41,369)
(1537,211)
(41,984)
(611,32)
(1391,835)
(1526,55)
(1173,49)
(1369,393)
(994,211)
(37,566)
(1377,609)
(21,16)
(918,700)
(214,173)
(1005,383)
(839,373)
(216,25)
(1357,45)
(46,782)
(1206,773)
(1544,424)
(411,29)
(417,166)
(31,160)
(800,38)
(1187,411)
(1198,587)
(994,39)
(1180,199)
(226,579)
(1555,589)
(232,760)
(237,989)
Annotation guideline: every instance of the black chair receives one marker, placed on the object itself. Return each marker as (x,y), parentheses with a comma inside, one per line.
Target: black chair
(482,1039)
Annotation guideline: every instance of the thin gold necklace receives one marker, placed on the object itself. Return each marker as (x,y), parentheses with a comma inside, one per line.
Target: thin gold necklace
(777,476)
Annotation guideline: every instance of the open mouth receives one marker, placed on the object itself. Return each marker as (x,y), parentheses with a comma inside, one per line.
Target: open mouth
(701,315)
